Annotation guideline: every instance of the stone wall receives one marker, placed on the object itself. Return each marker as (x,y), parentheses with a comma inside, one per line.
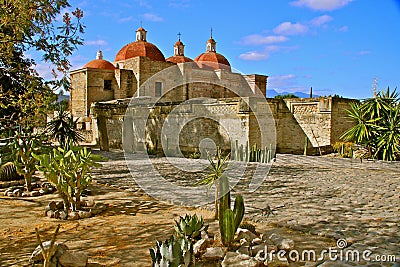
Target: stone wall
(289,123)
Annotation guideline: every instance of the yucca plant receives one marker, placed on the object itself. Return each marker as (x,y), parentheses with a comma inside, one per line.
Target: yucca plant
(63,127)
(216,170)
(377,125)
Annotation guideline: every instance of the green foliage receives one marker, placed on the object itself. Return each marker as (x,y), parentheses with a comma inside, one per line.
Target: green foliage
(344,149)
(174,252)
(377,125)
(69,170)
(286,96)
(63,128)
(8,172)
(23,146)
(33,26)
(190,227)
(215,170)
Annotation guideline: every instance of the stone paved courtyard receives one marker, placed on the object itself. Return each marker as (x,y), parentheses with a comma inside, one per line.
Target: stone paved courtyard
(324,196)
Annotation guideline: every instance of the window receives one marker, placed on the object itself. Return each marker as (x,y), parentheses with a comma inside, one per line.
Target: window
(158,89)
(107,85)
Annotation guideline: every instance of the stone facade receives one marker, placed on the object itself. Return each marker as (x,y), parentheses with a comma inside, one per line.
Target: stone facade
(141,94)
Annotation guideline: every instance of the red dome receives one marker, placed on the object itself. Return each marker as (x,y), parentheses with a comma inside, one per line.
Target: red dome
(179,59)
(140,48)
(212,60)
(100,64)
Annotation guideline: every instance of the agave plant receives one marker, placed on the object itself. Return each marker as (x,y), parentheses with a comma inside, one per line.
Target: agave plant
(174,252)
(190,226)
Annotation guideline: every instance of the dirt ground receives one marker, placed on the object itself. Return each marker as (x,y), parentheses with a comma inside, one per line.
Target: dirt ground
(121,236)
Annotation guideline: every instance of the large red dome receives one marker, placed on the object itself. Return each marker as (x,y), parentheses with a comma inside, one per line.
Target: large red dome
(212,60)
(100,64)
(142,49)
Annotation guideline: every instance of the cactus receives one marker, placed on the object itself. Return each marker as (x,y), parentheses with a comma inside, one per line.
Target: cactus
(190,227)
(173,252)
(227,227)
(8,172)
(225,196)
(238,211)
(229,220)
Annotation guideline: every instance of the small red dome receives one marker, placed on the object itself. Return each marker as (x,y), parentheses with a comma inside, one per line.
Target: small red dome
(179,59)
(100,64)
(212,60)
(140,48)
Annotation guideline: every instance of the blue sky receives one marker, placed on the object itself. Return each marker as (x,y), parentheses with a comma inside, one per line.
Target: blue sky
(335,46)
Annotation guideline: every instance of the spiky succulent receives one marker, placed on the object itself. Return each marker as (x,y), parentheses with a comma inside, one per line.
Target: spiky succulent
(173,252)
(190,226)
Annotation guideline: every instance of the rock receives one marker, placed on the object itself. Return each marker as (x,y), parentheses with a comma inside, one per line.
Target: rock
(282,243)
(34,193)
(50,213)
(255,250)
(60,205)
(43,191)
(24,194)
(73,215)
(233,259)
(37,256)
(63,215)
(199,246)
(84,214)
(246,234)
(17,192)
(57,214)
(257,241)
(245,249)
(74,259)
(52,206)
(98,208)
(214,253)
(10,194)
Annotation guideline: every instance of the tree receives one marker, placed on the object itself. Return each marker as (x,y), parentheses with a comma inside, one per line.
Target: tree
(377,125)
(33,26)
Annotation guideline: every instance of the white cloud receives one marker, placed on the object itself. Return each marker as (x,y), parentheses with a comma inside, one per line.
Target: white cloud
(364,52)
(343,29)
(265,54)
(257,39)
(281,80)
(143,3)
(179,3)
(99,42)
(326,5)
(288,28)
(152,17)
(321,20)
(126,19)
(254,56)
